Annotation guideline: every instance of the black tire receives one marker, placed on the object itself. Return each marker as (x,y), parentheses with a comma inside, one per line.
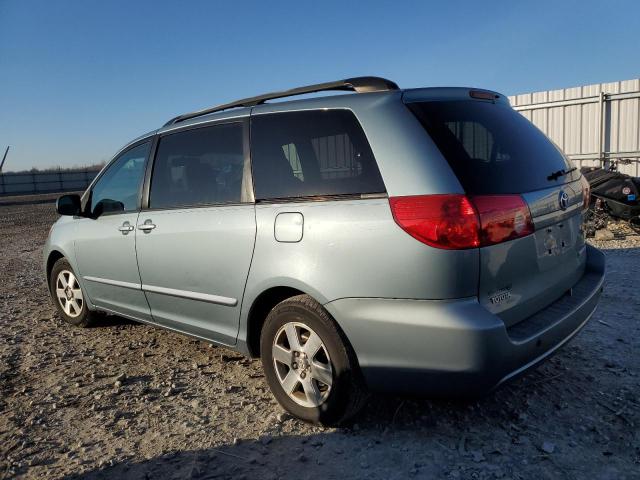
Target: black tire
(85,317)
(347,393)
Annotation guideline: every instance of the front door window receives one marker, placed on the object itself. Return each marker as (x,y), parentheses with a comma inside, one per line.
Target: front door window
(117,190)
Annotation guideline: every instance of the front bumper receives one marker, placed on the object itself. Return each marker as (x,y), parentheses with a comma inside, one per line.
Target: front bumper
(456,347)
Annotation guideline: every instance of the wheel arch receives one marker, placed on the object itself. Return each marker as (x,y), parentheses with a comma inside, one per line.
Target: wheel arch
(54,254)
(53,257)
(258,312)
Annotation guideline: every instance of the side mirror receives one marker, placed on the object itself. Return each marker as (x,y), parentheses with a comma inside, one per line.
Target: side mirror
(68,205)
(107,206)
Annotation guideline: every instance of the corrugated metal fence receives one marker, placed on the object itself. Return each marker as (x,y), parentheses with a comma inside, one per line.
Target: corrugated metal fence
(592,124)
(45,182)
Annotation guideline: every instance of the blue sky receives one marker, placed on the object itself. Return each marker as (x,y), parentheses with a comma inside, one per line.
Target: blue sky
(79,78)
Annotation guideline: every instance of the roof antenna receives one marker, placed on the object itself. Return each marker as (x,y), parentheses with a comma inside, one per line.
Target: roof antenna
(4,157)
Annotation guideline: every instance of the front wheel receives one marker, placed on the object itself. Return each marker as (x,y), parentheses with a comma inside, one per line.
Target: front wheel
(308,363)
(68,295)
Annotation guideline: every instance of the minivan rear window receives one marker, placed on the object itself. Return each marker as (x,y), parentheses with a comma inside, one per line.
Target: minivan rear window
(312,153)
(492,148)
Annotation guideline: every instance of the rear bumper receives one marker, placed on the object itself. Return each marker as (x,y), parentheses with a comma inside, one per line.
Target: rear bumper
(457,347)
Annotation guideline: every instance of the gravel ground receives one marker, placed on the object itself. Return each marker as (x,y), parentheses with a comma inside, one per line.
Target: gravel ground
(124,400)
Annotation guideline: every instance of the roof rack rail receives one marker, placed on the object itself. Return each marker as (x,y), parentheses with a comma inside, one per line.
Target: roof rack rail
(356,84)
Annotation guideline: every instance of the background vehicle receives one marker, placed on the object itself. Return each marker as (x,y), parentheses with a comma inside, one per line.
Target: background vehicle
(424,240)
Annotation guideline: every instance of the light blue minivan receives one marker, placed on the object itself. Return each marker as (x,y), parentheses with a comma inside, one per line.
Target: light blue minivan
(425,241)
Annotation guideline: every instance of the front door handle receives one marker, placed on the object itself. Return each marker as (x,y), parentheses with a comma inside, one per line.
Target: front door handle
(125,228)
(147,226)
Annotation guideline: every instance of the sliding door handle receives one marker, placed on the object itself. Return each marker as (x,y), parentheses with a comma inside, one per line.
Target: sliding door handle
(147,226)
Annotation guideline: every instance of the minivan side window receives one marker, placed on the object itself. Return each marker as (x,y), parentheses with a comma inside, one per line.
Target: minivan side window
(203,166)
(117,190)
(310,154)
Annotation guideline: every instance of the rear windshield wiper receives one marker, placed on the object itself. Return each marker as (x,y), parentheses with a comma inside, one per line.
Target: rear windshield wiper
(561,173)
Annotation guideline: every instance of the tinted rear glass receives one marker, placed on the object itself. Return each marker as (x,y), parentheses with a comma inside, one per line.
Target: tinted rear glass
(311,153)
(203,166)
(491,147)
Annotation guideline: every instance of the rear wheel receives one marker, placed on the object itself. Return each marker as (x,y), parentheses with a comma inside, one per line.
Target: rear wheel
(68,295)
(308,363)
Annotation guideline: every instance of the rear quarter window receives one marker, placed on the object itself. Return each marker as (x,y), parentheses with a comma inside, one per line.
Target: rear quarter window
(492,148)
(311,154)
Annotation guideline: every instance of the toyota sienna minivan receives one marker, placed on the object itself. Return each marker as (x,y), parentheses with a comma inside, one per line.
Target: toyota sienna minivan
(426,241)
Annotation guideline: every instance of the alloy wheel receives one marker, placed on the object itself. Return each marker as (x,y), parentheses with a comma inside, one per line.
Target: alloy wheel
(302,364)
(69,293)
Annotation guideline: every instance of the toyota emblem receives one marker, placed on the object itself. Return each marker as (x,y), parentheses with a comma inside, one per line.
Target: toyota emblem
(563,200)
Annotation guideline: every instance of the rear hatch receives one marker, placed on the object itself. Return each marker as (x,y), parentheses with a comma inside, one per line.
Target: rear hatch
(501,158)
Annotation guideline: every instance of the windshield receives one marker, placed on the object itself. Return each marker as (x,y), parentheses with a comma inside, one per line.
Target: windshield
(492,148)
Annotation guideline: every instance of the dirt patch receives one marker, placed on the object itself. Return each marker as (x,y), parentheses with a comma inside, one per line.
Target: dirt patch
(125,400)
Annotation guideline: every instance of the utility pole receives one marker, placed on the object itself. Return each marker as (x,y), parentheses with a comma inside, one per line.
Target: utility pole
(4,157)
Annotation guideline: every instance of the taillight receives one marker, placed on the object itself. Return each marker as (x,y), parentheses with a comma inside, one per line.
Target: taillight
(586,193)
(454,222)
(502,218)
(442,221)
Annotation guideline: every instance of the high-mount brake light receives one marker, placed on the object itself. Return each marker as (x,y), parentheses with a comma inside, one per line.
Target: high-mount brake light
(483,95)
(455,222)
